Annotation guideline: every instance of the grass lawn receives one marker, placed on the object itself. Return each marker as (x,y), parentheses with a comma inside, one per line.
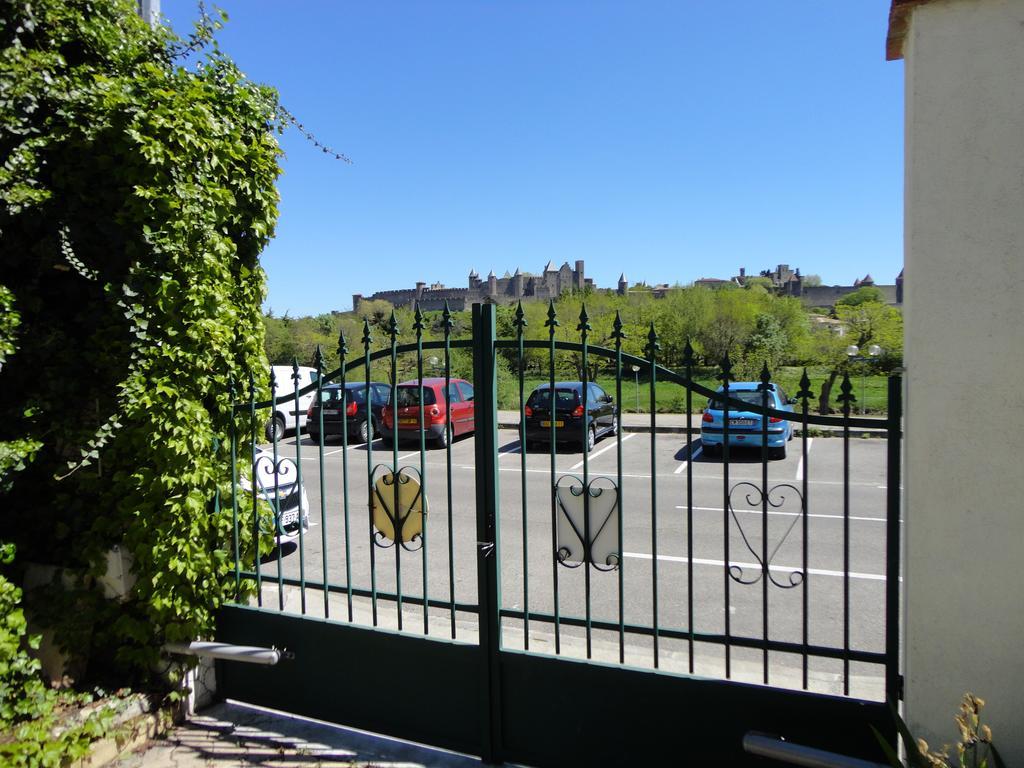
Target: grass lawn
(671,397)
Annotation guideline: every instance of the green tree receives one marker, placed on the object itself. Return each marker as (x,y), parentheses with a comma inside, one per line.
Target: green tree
(135,198)
(866,293)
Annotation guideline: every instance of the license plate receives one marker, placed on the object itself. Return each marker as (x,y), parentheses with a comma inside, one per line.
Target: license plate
(407,422)
(332,412)
(742,422)
(548,423)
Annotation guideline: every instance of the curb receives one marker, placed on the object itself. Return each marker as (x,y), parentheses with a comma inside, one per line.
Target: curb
(824,432)
(135,726)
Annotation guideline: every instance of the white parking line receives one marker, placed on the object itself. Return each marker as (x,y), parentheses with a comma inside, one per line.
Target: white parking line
(341,450)
(757,566)
(790,514)
(607,448)
(693,456)
(800,464)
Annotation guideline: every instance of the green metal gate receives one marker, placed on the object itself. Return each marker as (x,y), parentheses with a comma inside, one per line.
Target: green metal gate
(592,655)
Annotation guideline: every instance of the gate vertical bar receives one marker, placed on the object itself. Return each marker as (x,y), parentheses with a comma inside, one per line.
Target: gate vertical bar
(298,484)
(446,318)
(652,355)
(846,398)
(319,360)
(234,488)
(584,328)
(618,335)
(488,549)
(894,437)
(551,323)
(342,352)
(255,494)
(367,341)
(763,386)
(520,324)
(688,365)
(418,328)
(392,331)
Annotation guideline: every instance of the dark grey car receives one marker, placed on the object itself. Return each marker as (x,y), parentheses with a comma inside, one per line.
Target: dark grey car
(602,414)
(348,410)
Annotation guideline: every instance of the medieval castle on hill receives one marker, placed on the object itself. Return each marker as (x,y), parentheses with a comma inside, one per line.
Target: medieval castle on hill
(552,282)
(522,286)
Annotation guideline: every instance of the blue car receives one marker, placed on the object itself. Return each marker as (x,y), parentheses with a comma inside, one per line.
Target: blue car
(746,427)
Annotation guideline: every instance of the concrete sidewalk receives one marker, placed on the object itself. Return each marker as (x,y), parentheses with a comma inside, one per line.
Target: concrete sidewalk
(676,423)
(231,734)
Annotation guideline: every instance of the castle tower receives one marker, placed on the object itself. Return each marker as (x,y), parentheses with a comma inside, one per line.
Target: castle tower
(492,284)
(474,279)
(517,284)
(577,276)
(623,285)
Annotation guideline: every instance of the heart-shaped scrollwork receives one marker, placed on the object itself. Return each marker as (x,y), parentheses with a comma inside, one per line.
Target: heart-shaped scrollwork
(397,507)
(755,496)
(587,529)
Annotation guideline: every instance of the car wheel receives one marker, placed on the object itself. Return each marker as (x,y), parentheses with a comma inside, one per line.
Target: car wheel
(712,450)
(275,428)
(314,436)
(366,431)
(591,439)
(615,425)
(444,438)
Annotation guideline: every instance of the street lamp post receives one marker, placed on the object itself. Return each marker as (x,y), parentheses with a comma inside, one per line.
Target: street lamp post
(853,353)
(636,384)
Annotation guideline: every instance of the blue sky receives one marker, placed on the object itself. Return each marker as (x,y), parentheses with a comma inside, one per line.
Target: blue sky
(667,140)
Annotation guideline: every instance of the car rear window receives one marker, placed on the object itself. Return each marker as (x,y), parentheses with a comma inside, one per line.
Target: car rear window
(355,395)
(410,395)
(747,396)
(566,398)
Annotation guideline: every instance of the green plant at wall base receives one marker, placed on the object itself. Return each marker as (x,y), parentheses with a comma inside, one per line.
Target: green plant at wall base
(974,749)
(135,198)
(39,726)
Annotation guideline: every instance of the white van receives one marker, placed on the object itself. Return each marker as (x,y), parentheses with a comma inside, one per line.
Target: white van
(286,416)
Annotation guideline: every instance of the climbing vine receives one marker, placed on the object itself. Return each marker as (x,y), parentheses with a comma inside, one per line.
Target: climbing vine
(136,195)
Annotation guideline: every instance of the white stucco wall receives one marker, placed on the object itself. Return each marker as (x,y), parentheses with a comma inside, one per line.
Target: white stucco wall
(964,312)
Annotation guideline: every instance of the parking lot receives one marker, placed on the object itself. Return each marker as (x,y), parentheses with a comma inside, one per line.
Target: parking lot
(684,543)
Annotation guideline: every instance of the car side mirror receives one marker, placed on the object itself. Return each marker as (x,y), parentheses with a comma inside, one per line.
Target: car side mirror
(791,401)
(606,399)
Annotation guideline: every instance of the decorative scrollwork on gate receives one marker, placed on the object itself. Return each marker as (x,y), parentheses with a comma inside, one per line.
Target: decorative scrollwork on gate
(587,529)
(755,496)
(397,507)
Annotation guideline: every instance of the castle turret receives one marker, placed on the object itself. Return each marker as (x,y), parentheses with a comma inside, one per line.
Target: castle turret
(517,284)
(356,298)
(420,285)
(474,279)
(492,284)
(577,276)
(623,285)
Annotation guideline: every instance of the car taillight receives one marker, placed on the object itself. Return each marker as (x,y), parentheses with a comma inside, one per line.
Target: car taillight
(774,419)
(707,416)
(528,411)
(578,411)
(309,411)
(350,409)
(387,417)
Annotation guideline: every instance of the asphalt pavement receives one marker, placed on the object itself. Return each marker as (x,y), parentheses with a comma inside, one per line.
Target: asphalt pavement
(684,517)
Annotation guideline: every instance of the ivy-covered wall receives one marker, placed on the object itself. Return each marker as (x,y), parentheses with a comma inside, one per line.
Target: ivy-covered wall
(136,194)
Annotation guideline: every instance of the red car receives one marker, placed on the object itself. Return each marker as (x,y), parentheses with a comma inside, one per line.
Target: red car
(438,424)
